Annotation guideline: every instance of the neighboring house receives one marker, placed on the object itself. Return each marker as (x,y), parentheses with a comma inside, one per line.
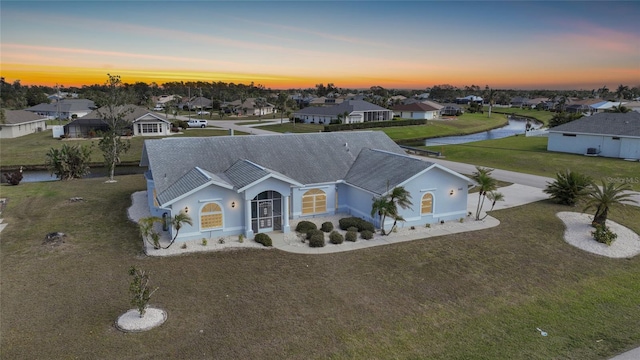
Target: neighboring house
(142,122)
(21,122)
(254,184)
(162,100)
(614,135)
(416,110)
(469,99)
(578,109)
(196,103)
(350,111)
(252,106)
(66,108)
(602,106)
(451,110)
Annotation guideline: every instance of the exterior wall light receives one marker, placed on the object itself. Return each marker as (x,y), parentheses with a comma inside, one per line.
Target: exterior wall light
(186,209)
(233,204)
(451,192)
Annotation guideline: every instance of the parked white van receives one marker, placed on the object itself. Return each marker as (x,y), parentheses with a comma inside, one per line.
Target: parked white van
(197,123)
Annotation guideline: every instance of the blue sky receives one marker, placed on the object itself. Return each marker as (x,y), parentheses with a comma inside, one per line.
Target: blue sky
(545,44)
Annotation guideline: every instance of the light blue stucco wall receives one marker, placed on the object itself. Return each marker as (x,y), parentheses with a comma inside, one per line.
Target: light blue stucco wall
(608,146)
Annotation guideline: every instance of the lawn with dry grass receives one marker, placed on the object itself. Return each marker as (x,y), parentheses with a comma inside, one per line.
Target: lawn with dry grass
(477,295)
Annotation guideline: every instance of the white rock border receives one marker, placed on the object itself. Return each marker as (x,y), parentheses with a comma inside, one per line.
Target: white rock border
(578,233)
(132,322)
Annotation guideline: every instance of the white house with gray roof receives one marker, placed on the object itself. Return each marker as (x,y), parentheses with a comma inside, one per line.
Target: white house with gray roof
(232,185)
(350,111)
(614,135)
(64,109)
(21,122)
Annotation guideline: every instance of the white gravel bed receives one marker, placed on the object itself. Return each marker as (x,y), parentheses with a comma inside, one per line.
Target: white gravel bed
(578,233)
(132,322)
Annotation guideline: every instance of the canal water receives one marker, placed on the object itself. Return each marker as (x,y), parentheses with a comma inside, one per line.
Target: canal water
(43,175)
(516,126)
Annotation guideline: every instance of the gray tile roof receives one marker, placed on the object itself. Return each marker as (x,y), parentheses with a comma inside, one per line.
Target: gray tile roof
(189,181)
(617,124)
(244,172)
(133,112)
(15,117)
(66,105)
(304,158)
(348,105)
(417,106)
(390,170)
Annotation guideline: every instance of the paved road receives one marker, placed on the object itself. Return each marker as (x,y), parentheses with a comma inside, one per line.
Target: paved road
(235,125)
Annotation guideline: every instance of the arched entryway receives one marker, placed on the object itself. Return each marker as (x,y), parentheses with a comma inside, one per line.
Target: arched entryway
(266,212)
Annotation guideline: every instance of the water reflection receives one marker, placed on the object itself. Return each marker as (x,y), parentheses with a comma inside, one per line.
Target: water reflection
(515,126)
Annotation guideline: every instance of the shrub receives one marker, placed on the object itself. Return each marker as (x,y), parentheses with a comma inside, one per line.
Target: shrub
(69,162)
(312,232)
(263,239)
(241,238)
(366,234)
(327,226)
(304,226)
(336,238)
(317,239)
(372,124)
(204,242)
(346,223)
(351,236)
(604,235)
(353,228)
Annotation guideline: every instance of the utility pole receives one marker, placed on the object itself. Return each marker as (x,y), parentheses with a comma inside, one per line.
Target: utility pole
(189,101)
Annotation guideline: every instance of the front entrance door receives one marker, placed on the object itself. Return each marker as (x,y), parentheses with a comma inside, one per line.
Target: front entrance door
(266,212)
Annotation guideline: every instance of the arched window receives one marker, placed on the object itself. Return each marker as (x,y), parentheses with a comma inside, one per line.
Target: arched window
(427,204)
(211,216)
(314,201)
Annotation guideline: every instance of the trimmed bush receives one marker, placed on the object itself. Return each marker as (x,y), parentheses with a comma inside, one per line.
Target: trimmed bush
(304,226)
(263,239)
(351,236)
(346,223)
(312,232)
(327,226)
(336,238)
(317,239)
(366,234)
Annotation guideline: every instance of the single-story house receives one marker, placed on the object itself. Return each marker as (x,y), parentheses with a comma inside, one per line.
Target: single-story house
(451,110)
(21,122)
(142,122)
(603,106)
(65,108)
(469,99)
(350,111)
(252,106)
(614,135)
(417,110)
(231,185)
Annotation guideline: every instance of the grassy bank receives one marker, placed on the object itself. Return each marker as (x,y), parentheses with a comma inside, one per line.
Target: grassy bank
(540,115)
(464,296)
(31,149)
(529,155)
(462,125)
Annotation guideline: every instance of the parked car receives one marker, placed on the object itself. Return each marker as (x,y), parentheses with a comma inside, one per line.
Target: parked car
(158,108)
(197,123)
(203,113)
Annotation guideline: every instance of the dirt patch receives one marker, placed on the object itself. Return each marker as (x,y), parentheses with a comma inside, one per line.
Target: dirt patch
(54,239)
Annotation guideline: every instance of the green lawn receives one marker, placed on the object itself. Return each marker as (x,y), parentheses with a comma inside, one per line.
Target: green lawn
(541,115)
(477,295)
(293,128)
(31,149)
(530,155)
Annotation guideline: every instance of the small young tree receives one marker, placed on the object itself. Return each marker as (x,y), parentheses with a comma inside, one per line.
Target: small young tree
(113,113)
(69,162)
(140,290)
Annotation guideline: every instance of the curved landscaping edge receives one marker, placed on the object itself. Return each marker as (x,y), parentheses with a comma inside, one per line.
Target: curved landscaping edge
(132,322)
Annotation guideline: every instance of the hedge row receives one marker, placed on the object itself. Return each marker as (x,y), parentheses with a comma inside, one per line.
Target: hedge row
(355,222)
(373,124)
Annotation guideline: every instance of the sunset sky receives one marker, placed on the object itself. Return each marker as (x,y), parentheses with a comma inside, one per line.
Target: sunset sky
(353,44)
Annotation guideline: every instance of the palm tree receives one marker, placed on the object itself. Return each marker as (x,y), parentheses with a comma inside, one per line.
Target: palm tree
(621,91)
(619,109)
(486,183)
(494,197)
(490,98)
(177,222)
(602,199)
(146,230)
(568,187)
(387,205)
